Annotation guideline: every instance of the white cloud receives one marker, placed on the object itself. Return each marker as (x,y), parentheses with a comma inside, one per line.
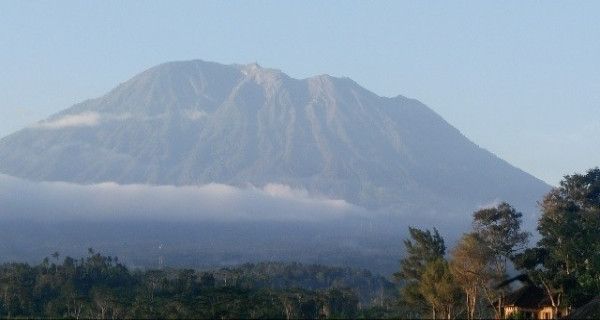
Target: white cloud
(110,201)
(286,192)
(87,119)
(92,119)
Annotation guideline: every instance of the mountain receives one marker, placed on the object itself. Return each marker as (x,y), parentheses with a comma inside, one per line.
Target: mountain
(196,122)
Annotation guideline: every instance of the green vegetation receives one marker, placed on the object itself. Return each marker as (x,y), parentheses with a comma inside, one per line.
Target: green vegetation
(437,287)
(466,282)
(100,287)
(424,249)
(472,282)
(566,260)
(370,289)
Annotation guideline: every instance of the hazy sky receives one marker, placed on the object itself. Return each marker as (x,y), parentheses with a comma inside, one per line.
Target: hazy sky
(520,78)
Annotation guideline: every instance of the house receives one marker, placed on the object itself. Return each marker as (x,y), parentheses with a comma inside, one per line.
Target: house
(531,302)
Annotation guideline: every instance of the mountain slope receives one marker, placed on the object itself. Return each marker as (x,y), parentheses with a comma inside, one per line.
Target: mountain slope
(196,122)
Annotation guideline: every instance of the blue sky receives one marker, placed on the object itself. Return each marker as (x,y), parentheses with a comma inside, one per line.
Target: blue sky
(520,78)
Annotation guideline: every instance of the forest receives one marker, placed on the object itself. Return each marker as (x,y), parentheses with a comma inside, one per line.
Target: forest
(101,287)
(473,279)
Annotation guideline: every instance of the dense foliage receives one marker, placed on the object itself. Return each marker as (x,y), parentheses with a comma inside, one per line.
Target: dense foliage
(437,287)
(101,287)
(424,248)
(370,289)
(473,281)
(566,260)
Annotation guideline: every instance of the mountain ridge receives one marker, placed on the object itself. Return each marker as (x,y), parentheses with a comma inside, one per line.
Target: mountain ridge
(197,122)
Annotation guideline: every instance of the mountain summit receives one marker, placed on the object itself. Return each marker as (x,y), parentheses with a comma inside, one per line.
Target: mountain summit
(196,122)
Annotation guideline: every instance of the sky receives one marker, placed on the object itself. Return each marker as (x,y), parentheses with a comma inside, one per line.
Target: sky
(519,78)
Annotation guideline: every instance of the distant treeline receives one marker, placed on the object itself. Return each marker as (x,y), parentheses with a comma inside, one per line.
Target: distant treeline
(469,281)
(100,287)
(369,288)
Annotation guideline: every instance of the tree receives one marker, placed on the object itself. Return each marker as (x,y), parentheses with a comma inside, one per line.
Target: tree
(566,261)
(470,267)
(423,248)
(438,288)
(499,228)
(337,303)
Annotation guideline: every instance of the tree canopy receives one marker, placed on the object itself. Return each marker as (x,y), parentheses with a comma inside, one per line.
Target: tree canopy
(566,260)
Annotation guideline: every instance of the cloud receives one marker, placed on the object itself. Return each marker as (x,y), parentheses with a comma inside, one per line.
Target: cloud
(92,119)
(110,201)
(87,119)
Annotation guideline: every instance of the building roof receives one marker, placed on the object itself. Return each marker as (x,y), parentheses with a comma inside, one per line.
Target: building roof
(528,297)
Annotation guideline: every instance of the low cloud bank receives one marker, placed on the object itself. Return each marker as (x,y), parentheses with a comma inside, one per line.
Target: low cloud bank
(110,201)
